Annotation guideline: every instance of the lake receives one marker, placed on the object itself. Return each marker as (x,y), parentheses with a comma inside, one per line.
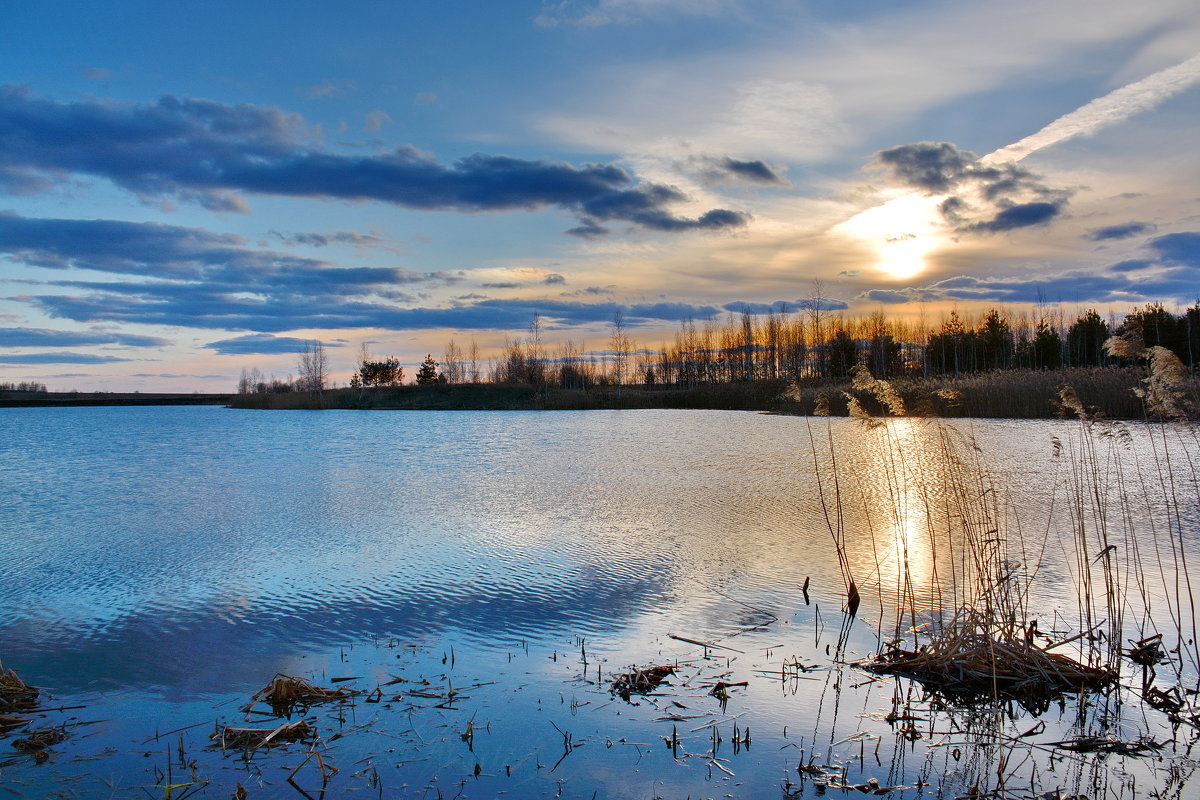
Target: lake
(491,573)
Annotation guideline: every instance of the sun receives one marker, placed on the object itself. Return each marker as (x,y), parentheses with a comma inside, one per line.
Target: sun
(903,231)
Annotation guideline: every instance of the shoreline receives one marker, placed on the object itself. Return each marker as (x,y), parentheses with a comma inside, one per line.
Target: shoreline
(1012,394)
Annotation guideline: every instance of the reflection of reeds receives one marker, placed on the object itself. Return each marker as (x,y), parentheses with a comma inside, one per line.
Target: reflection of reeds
(975,642)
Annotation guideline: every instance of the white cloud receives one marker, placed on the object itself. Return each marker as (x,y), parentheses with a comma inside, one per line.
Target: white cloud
(822,89)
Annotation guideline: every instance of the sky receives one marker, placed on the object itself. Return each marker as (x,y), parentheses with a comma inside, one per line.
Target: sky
(191,189)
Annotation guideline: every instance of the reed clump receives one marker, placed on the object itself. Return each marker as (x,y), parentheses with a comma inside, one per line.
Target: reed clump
(966,662)
(286,693)
(230,737)
(640,680)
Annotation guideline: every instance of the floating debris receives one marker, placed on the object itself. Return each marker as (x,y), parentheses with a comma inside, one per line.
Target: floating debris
(640,681)
(230,737)
(285,693)
(1099,744)
(1147,652)
(16,694)
(9,723)
(41,739)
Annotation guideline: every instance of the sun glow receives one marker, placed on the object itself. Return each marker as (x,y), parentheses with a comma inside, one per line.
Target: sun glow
(903,231)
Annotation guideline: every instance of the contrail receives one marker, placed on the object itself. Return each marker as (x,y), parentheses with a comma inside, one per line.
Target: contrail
(1116,106)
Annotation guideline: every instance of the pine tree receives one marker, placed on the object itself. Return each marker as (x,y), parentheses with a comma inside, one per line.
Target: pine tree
(427,373)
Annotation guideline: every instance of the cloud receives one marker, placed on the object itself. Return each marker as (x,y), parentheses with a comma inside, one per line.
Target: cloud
(97,74)
(261,344)
(375,119)
(980,197)
(753,171)
(590,229)
(170,252)
(57,358)
(314,239)
(1182,249)
(1174,274)
(40,337)
(206,152)
(596,13)
(328,88)
(1114,107)
(1017,216)
(786,306)
(229,308)
(554,278)
(1123,231)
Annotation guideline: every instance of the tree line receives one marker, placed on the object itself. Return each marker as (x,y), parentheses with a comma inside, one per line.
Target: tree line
(777,345)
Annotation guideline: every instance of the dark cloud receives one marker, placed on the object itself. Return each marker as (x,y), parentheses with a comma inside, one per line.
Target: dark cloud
(983,198)
(168,252)
(1181,249)
(57,358)
(337,237)
(1017,216)
(176,375)
(554,278)
(932,167)
(1132,265)
(753,171)
(261,344)
(588,229)
(1115,284)
(501,285)
(1119,231)
(787,306)
(193,306)
(40,337)
(206,152)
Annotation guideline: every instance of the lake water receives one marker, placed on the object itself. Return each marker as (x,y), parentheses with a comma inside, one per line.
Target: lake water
(492,571)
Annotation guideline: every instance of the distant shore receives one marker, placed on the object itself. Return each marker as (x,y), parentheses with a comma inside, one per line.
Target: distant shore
(67,399)
(1009,394)
(1013,394)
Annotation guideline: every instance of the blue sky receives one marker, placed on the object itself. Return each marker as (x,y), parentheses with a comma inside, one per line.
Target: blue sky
(190,189)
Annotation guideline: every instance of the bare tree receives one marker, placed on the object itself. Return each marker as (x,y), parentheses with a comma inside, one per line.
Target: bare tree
(620,345)
(473,362)
(313,368)
(452,363)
